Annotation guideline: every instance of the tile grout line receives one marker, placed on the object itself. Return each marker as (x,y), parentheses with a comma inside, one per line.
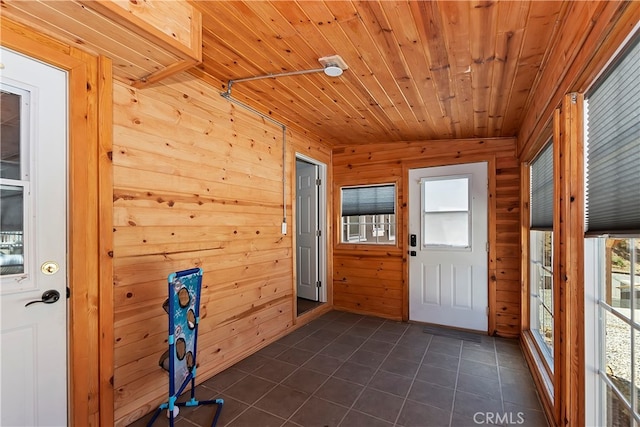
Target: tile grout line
(334,371)
(251,405)
(289,347)
(413,380)
(351,408)
(499,378)
(374,374)
(455,386)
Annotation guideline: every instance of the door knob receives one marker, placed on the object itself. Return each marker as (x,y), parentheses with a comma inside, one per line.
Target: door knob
(48,297)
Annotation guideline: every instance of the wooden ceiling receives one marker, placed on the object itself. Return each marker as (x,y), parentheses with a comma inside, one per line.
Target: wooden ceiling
(418,70)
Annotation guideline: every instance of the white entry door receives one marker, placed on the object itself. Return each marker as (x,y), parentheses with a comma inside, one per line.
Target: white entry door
(33,242)
(307,238)
(448,270)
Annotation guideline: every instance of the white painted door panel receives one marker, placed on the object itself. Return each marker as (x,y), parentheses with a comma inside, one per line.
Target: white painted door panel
(33,351)
(306,230)
(448,284)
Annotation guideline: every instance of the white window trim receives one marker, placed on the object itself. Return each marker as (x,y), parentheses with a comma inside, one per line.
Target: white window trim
(594,414)
(596,379)
(545,352)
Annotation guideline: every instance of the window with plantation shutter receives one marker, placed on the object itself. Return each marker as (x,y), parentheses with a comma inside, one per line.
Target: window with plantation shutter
(613,149)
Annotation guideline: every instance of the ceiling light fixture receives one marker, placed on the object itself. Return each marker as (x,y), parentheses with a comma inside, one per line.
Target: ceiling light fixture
(333,71)
(332,66)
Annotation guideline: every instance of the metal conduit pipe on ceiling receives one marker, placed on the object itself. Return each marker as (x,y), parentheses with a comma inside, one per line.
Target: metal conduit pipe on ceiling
(333,66)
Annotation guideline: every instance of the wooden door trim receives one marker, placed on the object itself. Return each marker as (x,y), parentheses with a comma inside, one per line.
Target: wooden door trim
(83,212)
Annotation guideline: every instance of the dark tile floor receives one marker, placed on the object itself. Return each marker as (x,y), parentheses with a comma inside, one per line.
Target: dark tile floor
(304,305)
(349,370)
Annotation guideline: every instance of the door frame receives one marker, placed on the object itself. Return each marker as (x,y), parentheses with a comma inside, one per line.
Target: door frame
(491,225)
(89,218)
(477,177)
(322,225)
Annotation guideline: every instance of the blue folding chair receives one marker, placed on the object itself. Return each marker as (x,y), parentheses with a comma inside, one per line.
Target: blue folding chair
(183,307)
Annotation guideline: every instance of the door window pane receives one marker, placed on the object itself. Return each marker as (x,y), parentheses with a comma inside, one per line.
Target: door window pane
(447,229)
(445,195)
(10,136)
(11,230)
(446,214)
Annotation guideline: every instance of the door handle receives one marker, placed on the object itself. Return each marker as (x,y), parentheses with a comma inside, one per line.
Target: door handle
(48,297)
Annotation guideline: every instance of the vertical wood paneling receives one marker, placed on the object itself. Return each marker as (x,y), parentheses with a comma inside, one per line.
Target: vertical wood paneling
(571,361)
(197,182)
(374,280)
(105,224)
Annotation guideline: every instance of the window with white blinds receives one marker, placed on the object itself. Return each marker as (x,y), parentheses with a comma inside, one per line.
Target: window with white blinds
(541,203)
(373,200)
(368,214)
(612,168)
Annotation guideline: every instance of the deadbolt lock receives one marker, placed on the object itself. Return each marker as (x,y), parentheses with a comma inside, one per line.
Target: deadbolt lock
(49,268)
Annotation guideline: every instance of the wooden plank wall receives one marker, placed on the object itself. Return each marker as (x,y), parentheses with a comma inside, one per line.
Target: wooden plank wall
(380,288)
(197,182)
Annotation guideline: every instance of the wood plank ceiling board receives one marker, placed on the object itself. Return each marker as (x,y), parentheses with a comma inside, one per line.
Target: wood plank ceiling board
(314,103)
(418,70)
(512,19)
(542,26)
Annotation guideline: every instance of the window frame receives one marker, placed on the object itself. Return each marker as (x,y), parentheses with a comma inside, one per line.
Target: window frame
(545,358)
(546,353)
(596,308)
(16,281)
(385,223)
(598,302)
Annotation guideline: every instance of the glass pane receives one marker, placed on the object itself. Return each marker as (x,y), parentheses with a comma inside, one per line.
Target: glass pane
(618,353)
(541,272)
(11,230)
(617,283)
(447,228)
(636,362)
(10,135)
(617,413)
(446,195)
(376,229)
(635,243)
